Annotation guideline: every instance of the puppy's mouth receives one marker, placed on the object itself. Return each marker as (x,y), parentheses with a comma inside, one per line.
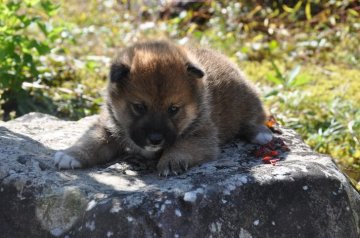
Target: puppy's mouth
(153,148)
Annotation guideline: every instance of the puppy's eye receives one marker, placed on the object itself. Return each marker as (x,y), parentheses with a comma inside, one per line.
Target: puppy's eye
(172,110)
(139,108)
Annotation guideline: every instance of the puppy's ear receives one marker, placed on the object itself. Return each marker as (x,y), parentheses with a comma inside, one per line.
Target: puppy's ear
(119,72)
(194,70)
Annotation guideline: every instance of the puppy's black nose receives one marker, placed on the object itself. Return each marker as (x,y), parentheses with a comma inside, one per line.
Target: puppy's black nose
(155,138)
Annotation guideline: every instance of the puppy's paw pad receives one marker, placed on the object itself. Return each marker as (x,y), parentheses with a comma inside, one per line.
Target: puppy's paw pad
(65,161)
(262,138)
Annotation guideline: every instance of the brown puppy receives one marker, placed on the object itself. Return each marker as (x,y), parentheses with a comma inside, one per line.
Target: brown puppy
(173,103)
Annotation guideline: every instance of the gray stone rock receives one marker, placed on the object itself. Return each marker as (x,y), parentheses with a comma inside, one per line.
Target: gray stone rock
(304,195)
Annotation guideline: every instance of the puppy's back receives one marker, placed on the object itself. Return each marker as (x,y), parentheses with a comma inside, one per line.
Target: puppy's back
(235,104)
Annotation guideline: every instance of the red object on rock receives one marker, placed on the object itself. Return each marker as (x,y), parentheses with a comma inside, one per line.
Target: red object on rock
(267,159)
(273,161)
(270,151)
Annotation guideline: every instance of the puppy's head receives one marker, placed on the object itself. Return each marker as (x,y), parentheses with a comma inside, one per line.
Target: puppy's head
(156,93)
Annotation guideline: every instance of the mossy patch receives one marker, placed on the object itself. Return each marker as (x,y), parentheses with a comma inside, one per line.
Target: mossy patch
(58,213)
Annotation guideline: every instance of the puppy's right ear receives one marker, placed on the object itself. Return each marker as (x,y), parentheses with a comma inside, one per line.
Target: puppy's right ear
(194,70)
(119,72)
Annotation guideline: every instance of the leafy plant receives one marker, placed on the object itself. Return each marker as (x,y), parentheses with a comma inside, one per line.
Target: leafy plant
(26,34)
(289,80)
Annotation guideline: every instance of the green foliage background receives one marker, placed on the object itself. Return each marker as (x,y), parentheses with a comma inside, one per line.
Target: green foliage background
(304,56)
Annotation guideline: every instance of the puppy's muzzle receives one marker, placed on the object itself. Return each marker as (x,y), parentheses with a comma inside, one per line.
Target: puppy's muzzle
(155,142)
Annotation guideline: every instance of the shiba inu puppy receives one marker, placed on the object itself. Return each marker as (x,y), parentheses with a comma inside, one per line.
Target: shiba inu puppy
(173,103)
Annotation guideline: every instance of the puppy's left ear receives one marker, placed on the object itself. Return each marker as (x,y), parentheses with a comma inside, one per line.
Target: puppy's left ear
(194,70)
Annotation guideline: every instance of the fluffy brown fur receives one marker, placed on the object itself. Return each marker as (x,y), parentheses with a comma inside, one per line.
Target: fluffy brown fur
(173,103)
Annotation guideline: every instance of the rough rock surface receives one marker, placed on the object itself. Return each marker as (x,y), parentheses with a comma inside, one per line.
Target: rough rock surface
(304,195)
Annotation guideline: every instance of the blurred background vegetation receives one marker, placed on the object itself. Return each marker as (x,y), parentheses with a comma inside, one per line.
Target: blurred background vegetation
(304,55)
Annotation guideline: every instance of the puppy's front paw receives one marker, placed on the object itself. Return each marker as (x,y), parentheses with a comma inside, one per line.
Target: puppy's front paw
(173,164)
(65,161)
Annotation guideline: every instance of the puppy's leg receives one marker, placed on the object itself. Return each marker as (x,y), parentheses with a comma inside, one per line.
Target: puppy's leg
(262,135)
(257,134)
(96,146)
(187,152)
